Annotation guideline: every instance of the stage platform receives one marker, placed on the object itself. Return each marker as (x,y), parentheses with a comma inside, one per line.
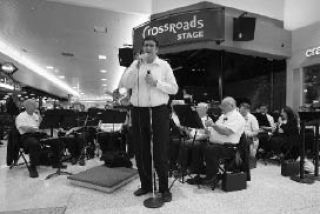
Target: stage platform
(104,179)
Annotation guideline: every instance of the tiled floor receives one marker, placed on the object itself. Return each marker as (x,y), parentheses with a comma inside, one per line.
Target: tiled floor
(268,192)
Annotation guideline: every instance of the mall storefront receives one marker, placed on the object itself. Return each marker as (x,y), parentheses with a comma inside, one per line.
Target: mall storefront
(199,42)
(303,70)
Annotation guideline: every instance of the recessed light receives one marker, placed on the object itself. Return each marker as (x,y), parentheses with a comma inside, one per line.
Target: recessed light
(102,57)
(103,71)
(74,87)
(82,93)
(103,79)
(61,77)
(50,67)
(104,84)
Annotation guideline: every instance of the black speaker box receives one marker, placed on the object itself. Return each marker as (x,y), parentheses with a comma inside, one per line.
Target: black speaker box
(125,56)
(290,168)
(234,181)
(243,28)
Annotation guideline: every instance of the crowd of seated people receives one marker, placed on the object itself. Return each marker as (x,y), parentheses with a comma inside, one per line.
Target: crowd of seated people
(33,139)
(209,147)
(205,150)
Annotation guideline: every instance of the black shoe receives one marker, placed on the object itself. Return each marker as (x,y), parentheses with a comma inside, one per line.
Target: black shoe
(209,180)
(61,166)
(33,173)
(196,180)
(74,161)
(166,196)
(82,162)
(141,191)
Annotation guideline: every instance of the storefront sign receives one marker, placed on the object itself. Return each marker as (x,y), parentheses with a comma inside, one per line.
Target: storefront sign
(313,52)
(200,25)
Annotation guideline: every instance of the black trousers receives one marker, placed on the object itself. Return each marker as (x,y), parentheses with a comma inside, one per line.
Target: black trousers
(141,133)
(31,144)
(75,144)
(213,153)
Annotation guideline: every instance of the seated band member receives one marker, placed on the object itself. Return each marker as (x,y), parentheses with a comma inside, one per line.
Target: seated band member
(285,139)
(227,129)
(28,123)
(75,142)
(251,128)
(266,125)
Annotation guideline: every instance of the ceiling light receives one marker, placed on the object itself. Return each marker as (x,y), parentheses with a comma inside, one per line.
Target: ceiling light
(103,71)
(8,68)
(82,93)
(74,87)
(103,79)
(102,57)
(104,84)
(49,67)
(61,77)
(3,85)
(32,66)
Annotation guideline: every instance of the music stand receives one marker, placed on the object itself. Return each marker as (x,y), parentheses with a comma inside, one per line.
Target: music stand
(53,119)
(302,178)
(113,116)
(188,118)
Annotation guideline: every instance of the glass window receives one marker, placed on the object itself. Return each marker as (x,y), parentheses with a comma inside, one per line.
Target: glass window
(311,86)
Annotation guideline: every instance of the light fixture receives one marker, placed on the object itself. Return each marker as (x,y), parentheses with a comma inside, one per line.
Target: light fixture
(104,84)
(102,57)
(16,55)
(8,67)
(74,87)
(61,77)
(103,71)
(82,93)
(49,67)
(103,79)
(3,85)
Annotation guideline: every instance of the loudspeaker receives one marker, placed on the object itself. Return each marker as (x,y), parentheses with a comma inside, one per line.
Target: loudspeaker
(234,181)
(125,56)
(243,28)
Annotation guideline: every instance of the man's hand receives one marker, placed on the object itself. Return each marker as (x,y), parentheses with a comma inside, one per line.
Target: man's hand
(116,94)
(209,123)
(149,79)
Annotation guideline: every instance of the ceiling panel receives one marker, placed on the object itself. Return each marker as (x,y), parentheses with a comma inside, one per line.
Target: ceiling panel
(42,30)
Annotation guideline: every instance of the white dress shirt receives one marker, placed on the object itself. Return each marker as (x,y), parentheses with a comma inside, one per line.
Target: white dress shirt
(251,127)
(232,120)
(270,120)
(144,95)
(24,119)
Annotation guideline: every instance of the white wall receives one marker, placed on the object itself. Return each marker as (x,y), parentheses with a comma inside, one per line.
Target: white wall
(302,39)
(126,6)
(300,13)
(270,8)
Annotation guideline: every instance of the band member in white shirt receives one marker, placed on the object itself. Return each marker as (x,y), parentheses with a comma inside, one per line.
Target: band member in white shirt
(28,123)
(151,80)
(227,129)
(251,127)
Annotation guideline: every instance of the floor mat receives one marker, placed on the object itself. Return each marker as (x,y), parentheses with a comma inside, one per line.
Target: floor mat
(104,179)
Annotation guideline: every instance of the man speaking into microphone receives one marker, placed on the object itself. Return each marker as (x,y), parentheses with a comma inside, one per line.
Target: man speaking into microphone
(151,80)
